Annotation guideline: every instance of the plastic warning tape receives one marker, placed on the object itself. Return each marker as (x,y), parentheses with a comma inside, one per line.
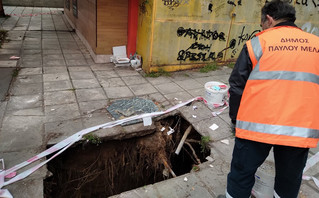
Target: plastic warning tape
(65,144)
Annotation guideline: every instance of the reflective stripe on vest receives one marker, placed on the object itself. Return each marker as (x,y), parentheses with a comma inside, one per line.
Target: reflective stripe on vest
(258,52)
(277,75)
(278,129)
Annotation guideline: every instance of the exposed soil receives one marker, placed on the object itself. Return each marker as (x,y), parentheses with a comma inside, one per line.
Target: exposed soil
(113,167)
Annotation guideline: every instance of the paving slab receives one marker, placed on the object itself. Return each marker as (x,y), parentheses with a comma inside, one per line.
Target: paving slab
(37,111)
(10,63)
(178,187)
(90,107)
(111,82)
(118,92)
(134,80)
(56,77)
(55,69)
(142,89)
(76,75)
(90,94)
(27,79)
(168,88)
(189,84)
(59,97)
(5,80)
(15,127)
(86,83)
(30,71)
(57,86)
(106,73)
(26,89)
(25,102)
(178,97)
(23,188)
(60,130)
(158,80)
(61,112)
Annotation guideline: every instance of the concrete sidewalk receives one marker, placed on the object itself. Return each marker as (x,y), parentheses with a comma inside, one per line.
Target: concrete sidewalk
(59,88)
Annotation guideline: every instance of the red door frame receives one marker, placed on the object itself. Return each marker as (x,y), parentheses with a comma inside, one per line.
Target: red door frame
(132,27)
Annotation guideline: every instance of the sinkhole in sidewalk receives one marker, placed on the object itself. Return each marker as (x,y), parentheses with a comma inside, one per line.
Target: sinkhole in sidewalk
(112,167)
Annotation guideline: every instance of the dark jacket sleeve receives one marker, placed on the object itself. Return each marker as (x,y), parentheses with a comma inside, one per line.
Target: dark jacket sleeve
(237,82)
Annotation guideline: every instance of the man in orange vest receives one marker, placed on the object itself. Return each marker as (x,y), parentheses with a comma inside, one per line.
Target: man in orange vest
(274,91)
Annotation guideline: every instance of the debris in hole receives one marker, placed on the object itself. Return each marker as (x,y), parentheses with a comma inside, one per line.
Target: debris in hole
(214,127)
(225,141)
(116,166)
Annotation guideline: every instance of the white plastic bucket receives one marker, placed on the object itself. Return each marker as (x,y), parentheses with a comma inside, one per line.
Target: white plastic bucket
(215,93)
(264,181)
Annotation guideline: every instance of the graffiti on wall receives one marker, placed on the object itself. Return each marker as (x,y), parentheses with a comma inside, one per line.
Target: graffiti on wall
(200,51)
(171,4)
(307,2)
(200,34)
(233,3)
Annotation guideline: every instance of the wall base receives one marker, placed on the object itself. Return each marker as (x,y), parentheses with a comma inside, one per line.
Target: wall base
(98,58)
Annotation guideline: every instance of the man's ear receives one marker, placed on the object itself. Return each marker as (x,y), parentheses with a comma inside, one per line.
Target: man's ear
(270,20)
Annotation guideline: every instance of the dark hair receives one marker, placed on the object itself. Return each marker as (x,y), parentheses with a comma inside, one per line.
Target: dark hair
(279,9)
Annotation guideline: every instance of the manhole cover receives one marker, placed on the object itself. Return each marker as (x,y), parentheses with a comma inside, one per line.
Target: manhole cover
(129,107)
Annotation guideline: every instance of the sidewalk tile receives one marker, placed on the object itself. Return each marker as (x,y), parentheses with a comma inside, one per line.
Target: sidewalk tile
(27,89)
(134,80)
(59,97)
(111,82)
(106,73)
(61,112)
(93,106)
(189,84)
(57,85)
(55,77)
(142,89)
(55,70)
(168,88)
(25,102)
(90,94)
(118,92)
(28,127)
(86,83)
(77,75)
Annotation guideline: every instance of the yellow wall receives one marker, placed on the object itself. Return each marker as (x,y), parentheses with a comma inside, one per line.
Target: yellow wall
(182,34)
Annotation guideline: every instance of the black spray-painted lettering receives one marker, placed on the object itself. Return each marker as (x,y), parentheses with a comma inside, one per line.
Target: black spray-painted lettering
(294,40)
(315,3)
(200,34)
(210,7)
(200,46)
(283,48)
(309,49)
(184,55)
(245,37)
(303,2)
(231,3)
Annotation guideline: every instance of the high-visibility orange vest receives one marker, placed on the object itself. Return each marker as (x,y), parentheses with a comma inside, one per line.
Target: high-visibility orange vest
(280,102)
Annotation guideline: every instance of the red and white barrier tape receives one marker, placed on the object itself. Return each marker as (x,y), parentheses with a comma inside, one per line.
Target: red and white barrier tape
(63,145)
(310,163)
